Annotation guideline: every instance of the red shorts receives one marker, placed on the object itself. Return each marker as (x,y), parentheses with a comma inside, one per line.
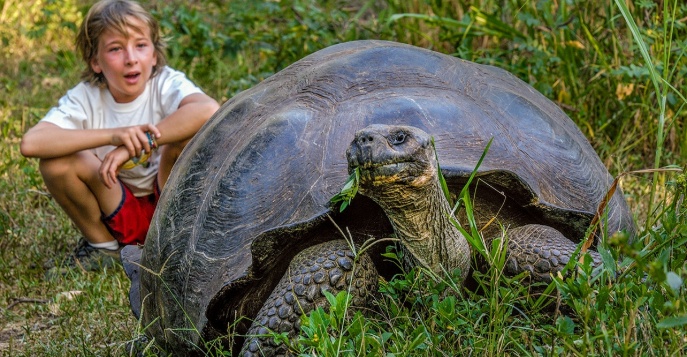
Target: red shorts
(130,221)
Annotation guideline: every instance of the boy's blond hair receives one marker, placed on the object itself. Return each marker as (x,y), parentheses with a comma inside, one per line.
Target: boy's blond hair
(115,15)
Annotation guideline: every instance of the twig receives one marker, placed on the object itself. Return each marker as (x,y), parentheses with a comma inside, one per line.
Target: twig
(7,214)
(39,192)
(18,301)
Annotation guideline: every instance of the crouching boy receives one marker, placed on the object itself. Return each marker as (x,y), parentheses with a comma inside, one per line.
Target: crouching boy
(107,149)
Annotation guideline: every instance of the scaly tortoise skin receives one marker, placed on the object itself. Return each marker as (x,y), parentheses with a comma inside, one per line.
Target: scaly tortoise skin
(252,188)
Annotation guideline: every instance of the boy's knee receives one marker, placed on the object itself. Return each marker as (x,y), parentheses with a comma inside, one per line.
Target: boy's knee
(53,167)
(64,165)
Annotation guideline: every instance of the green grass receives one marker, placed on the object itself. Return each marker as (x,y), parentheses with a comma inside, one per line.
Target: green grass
(618,71)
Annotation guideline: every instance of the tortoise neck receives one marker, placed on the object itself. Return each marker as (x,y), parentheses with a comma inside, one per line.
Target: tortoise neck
(420,217)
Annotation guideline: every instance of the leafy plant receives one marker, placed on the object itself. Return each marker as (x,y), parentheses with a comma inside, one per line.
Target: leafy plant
(348,192)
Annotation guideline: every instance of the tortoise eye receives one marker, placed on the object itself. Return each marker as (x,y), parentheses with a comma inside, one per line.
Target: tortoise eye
(399,138)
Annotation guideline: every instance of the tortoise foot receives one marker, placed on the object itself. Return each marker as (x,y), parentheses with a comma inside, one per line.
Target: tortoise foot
(541,250)
(329,266)
(131,260)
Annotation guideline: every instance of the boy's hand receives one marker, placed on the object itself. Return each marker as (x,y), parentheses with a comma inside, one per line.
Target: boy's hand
(111,164)
(134,138)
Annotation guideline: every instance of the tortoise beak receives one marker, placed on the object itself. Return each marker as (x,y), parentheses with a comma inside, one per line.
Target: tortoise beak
(367,148)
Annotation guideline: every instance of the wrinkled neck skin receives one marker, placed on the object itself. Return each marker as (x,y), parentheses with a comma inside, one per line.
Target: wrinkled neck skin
(419,216)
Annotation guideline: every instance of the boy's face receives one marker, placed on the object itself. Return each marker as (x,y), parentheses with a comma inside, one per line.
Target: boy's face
(126,61)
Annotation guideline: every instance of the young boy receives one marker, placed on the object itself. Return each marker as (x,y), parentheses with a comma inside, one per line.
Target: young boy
(107,149)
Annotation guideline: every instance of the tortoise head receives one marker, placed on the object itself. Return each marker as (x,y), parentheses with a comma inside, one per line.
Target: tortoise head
(398,170)
(392,155)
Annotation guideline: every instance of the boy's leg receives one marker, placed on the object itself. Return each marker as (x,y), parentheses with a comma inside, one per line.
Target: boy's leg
(74,183)
(169,153)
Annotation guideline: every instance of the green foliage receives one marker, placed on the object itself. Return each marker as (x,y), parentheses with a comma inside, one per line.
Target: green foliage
(348,192)
(473,236)
(644,302)
(337,331)
(579,54)
(234,45)
(419,314)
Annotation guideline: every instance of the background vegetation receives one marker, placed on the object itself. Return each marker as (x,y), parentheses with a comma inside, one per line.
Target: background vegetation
(618,68)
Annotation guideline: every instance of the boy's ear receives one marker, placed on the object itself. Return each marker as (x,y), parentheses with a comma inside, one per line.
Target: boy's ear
(95,66)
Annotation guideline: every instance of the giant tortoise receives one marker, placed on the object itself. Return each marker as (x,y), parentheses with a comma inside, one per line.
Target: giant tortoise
(248,202)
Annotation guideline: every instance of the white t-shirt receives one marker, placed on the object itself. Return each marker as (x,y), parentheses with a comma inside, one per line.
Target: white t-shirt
(88,107)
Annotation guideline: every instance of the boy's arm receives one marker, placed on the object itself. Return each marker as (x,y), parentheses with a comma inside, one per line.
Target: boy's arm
(194,110)
(47,140)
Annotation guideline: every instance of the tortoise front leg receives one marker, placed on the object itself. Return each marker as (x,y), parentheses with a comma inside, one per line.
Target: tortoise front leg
(541,250)
(328,266)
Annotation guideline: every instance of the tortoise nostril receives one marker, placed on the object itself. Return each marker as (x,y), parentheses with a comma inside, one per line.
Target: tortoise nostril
(365,138)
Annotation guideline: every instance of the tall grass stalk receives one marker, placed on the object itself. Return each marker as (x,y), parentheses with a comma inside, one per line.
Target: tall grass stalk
(661,83)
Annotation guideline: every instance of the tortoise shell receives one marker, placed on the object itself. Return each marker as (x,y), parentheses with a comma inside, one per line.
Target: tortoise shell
(253,186)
